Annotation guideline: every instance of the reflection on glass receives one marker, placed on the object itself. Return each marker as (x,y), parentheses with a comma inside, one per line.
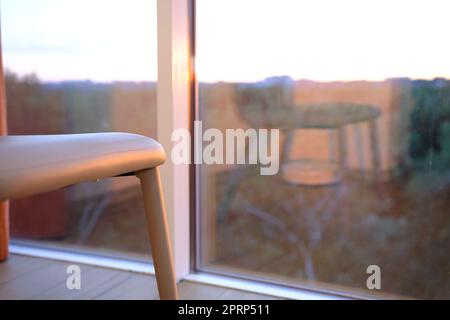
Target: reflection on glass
(361,94)
(72,68)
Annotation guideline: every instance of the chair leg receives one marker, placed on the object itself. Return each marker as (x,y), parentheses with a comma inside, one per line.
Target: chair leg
(158,233)
(4,230)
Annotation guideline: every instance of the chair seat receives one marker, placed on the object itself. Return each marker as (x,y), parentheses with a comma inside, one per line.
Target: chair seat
(39,163)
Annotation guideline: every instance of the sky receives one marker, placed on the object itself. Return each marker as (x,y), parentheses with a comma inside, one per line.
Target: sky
(99,40)
(237,40)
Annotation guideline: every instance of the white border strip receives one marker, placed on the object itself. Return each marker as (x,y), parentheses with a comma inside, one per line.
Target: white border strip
(261,288)
(92,260)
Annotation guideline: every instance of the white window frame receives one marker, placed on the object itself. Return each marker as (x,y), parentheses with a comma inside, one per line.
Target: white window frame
(173,109)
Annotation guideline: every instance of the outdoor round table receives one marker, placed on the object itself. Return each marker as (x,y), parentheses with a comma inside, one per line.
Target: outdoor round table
(335,116)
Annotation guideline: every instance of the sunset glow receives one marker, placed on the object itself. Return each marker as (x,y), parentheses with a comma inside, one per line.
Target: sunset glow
(100,40)
(322,39)
(237,40)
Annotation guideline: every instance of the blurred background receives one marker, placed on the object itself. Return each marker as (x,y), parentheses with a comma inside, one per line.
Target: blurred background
(359,89)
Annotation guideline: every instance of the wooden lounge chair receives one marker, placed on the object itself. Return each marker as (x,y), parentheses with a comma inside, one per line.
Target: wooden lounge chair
(39,163)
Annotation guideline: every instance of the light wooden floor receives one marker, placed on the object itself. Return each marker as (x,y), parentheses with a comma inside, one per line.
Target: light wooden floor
(23,277)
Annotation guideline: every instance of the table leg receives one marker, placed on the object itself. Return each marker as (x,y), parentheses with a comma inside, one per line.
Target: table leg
(375,148)
(287,146)
(342,137)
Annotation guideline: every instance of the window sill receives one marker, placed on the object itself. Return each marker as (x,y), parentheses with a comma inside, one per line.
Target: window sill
(200,277)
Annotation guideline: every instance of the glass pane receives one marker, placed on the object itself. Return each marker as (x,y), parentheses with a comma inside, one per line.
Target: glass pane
(360,94)
(81,66)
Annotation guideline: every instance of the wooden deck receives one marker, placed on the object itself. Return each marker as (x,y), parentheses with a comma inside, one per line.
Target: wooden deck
(23,277)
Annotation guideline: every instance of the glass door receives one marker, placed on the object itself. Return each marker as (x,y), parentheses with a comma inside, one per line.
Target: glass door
(359,91)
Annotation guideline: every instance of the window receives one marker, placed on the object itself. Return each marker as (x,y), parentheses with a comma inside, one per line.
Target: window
(81,66)
(360,92)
